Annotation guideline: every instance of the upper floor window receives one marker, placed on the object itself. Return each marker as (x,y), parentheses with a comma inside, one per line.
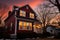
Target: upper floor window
(31,15)
(22,13)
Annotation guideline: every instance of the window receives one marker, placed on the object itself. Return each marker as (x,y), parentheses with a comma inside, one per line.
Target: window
(29,26)
(11,26)
(22,13)
(20,25)
(31,15)
(25,25)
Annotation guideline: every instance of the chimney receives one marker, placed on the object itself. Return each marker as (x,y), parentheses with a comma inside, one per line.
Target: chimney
(15,8)
(9,13)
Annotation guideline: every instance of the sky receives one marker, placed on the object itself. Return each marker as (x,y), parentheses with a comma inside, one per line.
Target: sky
(6,5)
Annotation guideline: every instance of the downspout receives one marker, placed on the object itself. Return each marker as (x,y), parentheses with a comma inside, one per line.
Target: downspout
(15,24)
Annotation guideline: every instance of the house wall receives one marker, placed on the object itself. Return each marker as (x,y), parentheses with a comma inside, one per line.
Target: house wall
(8,22)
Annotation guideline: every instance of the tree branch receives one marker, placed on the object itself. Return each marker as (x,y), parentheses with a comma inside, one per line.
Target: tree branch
(57,2)
(52,2)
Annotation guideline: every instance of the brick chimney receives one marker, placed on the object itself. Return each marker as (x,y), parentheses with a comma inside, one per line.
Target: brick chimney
(15,8)
(9,13)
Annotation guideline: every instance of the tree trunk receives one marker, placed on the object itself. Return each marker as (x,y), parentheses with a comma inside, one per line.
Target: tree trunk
(44,27)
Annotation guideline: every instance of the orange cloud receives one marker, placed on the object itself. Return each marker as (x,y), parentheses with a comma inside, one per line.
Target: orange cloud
(35,3)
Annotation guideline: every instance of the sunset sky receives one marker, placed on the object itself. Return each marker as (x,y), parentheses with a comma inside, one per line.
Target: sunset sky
(6,5)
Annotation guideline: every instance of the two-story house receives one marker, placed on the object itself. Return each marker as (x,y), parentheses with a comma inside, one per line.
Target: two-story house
(21,19)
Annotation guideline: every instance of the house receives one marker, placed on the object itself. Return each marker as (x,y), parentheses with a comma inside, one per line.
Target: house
(21,19)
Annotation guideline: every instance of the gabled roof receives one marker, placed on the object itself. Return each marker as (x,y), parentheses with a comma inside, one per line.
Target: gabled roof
(26,6)
(12,12)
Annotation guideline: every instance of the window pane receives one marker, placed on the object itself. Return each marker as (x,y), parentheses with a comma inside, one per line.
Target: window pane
(25,25)
(22,13)
(30,26)
(20,25)
(31,15)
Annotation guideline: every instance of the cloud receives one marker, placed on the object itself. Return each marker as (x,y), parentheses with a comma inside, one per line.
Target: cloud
(3,8)
(6,5)
(12,2)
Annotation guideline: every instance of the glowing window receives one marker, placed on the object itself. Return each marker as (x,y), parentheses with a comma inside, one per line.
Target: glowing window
(20,24)
(30,24)
(22,13)
(31,15)
(25,25)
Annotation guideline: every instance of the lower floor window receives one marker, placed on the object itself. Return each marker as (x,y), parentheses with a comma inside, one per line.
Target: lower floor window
(25,25)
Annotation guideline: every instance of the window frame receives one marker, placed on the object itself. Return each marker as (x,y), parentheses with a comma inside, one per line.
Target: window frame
(22,13)
(32,15)
(24,25)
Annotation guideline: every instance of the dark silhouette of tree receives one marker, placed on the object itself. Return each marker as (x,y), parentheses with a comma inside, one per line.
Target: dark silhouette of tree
(57,4)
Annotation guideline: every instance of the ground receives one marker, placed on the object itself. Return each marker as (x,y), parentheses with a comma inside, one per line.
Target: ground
(32,39)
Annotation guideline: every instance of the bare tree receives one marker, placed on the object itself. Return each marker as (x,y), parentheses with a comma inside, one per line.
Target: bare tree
(43,11)
(56,3)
